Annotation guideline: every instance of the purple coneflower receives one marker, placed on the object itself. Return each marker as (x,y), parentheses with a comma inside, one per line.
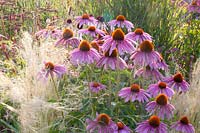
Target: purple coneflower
(122,128)
(152,125)
(146,55)
(49,31)
(112,61)
(118,40)
(194,6)
(68,39)
(85,19)
(139,35)
(84,54)
(177,82)
(50,69)
(133,93)
(149,73)
(102,123)
(160,107)
(160,87)
(183,125)
(96,87)
(92,31)
(121,22)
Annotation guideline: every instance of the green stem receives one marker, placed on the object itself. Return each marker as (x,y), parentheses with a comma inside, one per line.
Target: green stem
(55,88)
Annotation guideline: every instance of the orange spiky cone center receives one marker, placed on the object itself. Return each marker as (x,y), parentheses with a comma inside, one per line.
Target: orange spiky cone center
(85,16)
(120,125)
(162,85)
(146,46)
(120,18)
(67,33)
(178,78)
(194,3)
(161,99)
(95,84)
(184,120)
(91,28)
(154,121)
(118,34)
(84,45)
(49,65)
(135,88)
(139,31)
(103,119)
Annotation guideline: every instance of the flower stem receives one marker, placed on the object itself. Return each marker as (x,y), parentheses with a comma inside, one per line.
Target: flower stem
(55,88)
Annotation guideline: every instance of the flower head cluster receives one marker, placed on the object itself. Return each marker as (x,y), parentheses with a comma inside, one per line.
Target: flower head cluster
(133,93)
(177,82)
(67,39)
(121,22)
(150,60)
(118,40)
(85,19)
(51,69)
(152,125)
(161,107)
(84,54)
(104,124)
(139,35)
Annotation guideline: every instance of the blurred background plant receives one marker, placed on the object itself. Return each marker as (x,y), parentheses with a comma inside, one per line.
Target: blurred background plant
(175,33)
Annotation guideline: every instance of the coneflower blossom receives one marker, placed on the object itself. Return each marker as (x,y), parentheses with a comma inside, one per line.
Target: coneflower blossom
(68,39)
(146,55)
(177,82)
(139,35)
(85,19)
(160,87)
(96,87)
(152,125)
(120,41)
(121,128)
(84,54)
(91,31)
(49,31)
(160,107)
(183,125)
(102,124)
(149,73)
(121,22)
(112,61)
(134,93)
(194,6)
(50,69)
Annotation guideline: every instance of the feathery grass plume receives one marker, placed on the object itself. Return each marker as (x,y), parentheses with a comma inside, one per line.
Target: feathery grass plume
(187,104)
(36,114)
(5,85)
